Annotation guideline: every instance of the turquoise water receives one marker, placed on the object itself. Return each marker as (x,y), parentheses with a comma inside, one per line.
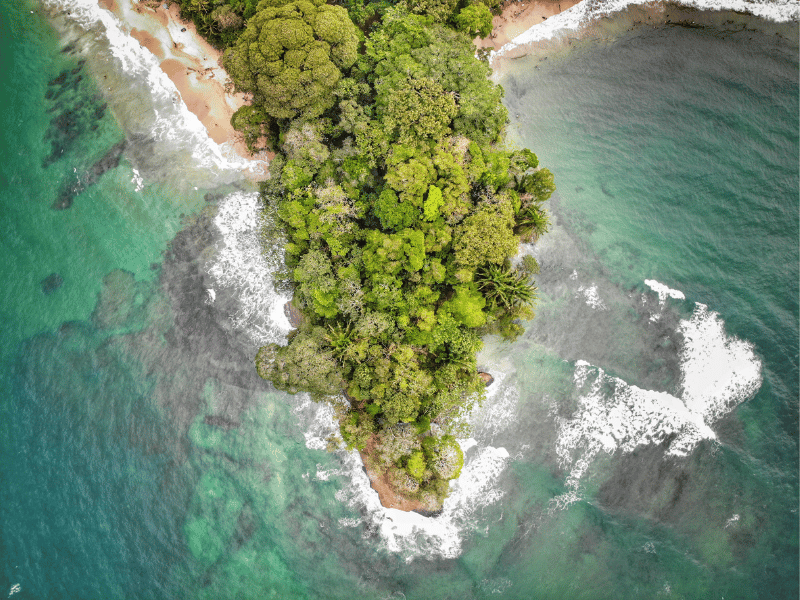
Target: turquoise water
(143,458)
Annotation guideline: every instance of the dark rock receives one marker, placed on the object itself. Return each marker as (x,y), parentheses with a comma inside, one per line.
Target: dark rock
(51,283)
(487,379)
(293,314)
(429,513)
(110,160)
(60,79)
(220,421)
(66,196)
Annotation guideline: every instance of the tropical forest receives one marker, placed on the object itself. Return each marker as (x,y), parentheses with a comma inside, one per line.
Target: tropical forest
(402,208)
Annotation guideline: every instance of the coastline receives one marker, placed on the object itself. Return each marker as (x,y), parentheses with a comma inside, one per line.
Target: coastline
(191,63)
(598,20)
(517,17)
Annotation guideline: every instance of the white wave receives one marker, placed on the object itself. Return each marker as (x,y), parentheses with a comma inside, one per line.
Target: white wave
(718,373)
(413,535)
(137,180)
(591,297)
(144,99)
(664,291)
(408,533)
(240,264)
(732,521)
(588,11)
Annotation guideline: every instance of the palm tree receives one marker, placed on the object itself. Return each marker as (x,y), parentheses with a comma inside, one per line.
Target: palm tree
(504,287)
(532,221)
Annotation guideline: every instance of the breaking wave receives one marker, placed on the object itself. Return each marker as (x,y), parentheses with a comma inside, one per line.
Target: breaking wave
(410,534)
(718,372)
(241,266)
(173,143)
(589,11)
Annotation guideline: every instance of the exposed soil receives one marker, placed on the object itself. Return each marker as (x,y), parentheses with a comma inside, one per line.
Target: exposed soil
(389,496)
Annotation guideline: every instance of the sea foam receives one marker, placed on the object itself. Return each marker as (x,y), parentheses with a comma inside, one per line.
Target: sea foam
(241,265)
(718,372)
(410,534)
(582,14)
(146,102)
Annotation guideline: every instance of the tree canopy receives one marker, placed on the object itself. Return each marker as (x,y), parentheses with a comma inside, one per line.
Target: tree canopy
(402,209)
(291,57)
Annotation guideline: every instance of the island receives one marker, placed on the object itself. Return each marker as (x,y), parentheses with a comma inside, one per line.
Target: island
(402,208)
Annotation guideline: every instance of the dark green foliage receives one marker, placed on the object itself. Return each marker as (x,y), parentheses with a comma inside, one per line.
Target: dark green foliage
(220,21)
(254,124)
(532,221)
(304,365)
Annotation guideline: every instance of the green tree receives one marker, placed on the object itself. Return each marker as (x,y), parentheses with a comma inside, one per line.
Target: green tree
(302,366)
(440,10)
(504,288)
(475,20)
(415,111)
(291,57)
(485,236)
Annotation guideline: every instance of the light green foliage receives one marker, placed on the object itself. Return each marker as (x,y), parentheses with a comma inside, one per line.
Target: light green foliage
(474,20)
(485,236)
(467,306)
(290,57)
(454,185)
(415,111)
(433,203)
(416,465)
(539,184)
(389,253)
(409,174)
(444,455)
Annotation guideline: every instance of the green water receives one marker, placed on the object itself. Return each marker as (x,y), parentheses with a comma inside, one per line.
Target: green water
(143,458)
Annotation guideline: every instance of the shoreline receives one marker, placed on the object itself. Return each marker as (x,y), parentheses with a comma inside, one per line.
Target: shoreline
(530,30)
(191,63)
(517,17)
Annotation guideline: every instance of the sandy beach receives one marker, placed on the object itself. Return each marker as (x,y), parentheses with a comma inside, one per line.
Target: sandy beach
(193,65)
(518,17)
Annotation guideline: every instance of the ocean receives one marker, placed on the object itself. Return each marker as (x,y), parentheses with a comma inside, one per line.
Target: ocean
(640,439)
